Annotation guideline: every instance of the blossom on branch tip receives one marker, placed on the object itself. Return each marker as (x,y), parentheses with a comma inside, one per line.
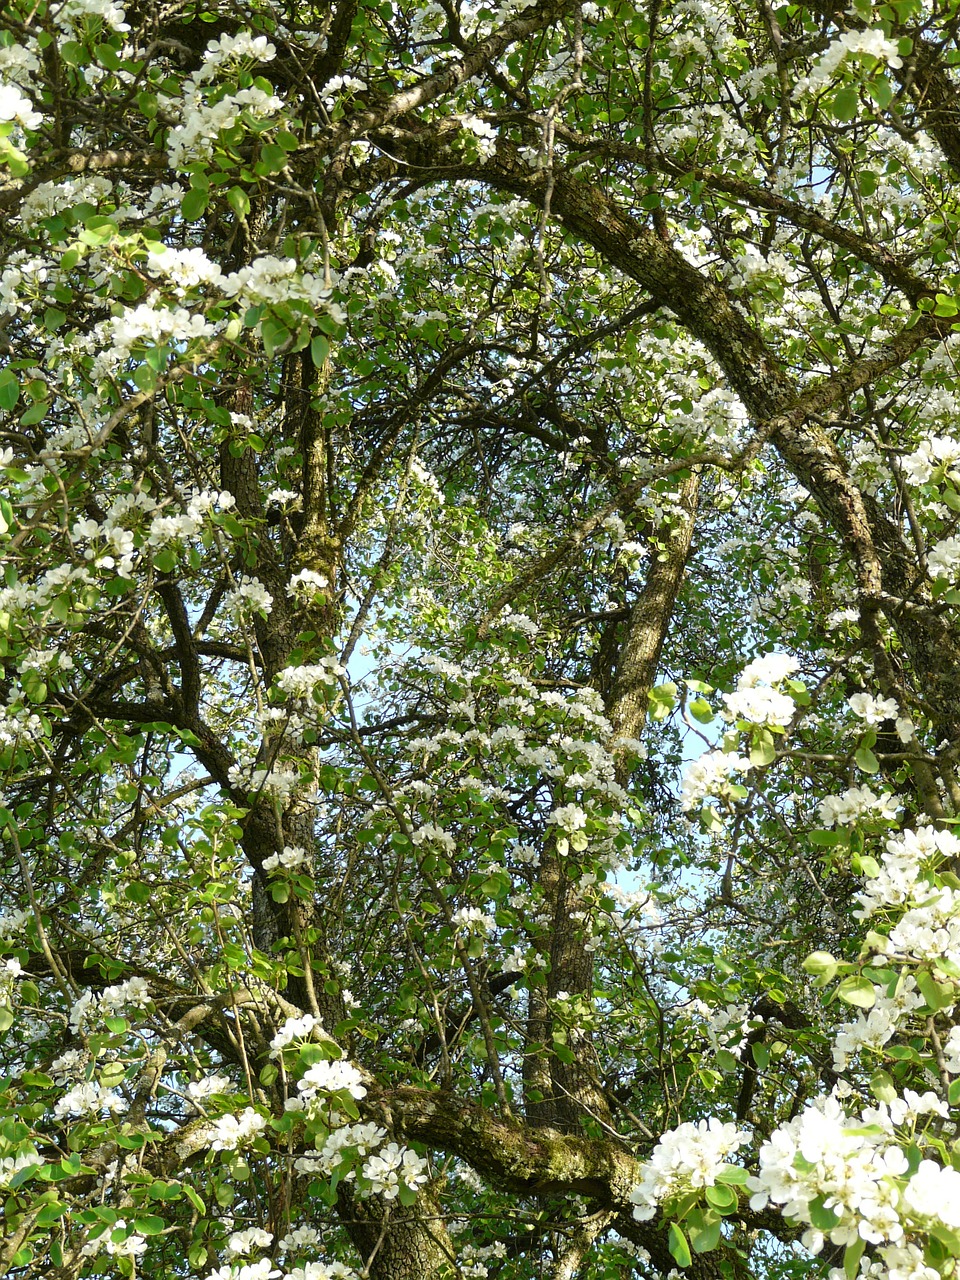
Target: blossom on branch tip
(710,776)
(293,1029)
(16,106)
(331,1077)
(685,1158)
(230,1132)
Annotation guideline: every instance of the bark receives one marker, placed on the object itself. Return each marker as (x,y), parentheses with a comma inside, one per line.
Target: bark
(545,1162)
(398,1243)
(519,1157)
(562,1094)
(646,630)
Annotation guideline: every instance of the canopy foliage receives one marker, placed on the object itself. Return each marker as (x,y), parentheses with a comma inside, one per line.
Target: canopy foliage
(480,663)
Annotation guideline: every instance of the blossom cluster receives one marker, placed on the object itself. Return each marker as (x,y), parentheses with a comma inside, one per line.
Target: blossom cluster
(872,42)
(857,804)
(300,684)
(89,1008)
(135,523)
(292,1030)
(936,456)
(711,775)
(874,1027)
(290,858)
(900,876)
(757,699)
(687,1158)
(248,597)
(856,1169)
(229,1132)
(355,1152)
(330,1077)
(205,114)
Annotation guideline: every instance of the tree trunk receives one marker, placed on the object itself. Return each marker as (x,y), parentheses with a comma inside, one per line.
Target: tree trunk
(398,1243)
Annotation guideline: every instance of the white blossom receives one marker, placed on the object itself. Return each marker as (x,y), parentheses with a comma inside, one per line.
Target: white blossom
(472,920)
(759,705)
(290,859)
(393,1167)
(230,1132)
(873,710)
(72,14)
(944,559)
(14,105)
(306,584)
(242,1242)
(89,1098)
(872,42)
(710,776)
(249,596)
(855,804)
(331,1077)
(197,1090)
(293,1029)
(688,1157)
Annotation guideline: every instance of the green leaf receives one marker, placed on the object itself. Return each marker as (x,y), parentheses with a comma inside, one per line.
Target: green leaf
(407,1195)
(275,334)
(867,181)
(197,1255)
(722,1198)
(194,1197)
(851,1258)
(49,1214)
(234,955)
(272,159)
(706,1235)
(129,1141)
(761,1055)
(150,1225)
(882,1086)
(679,1248)
(72,53)
(822,966)
(662,698)
(858,990)
(822,1218)
(319,350)
(936,995)
(844,104)
(9,389)
(826,839)
(347,1105)
(194,203)
(36,413)
(866,760)
(563,1052)
(239,201)
(145,377)
(701,710)
(881,91)
(902,1053)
